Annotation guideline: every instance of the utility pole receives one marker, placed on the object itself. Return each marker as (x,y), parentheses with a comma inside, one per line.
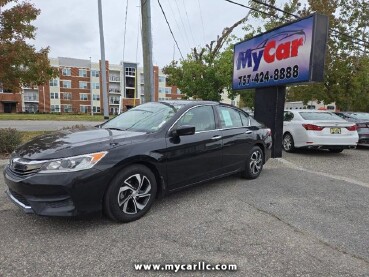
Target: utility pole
(147,51)
(103,66)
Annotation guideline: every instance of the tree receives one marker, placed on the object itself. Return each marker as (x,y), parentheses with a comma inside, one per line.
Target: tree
(346,65)
(206,72)
(20,63)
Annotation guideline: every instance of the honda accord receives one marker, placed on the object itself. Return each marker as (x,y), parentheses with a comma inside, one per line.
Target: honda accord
(123,165)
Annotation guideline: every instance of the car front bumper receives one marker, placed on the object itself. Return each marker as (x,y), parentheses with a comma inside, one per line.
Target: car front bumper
(57,194)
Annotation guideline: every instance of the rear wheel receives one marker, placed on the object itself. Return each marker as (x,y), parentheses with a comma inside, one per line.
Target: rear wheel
(130,194)
(254,163)
(336,150)
(288,143)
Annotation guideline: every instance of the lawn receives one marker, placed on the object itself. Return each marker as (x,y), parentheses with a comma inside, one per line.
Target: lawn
(58,117)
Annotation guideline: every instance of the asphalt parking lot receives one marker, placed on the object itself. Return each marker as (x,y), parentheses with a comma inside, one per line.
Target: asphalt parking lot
(306,215)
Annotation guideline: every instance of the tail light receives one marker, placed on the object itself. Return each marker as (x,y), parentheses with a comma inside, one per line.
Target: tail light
(312,127)
(352,128)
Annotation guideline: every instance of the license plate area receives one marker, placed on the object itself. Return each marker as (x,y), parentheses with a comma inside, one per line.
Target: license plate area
(335,131)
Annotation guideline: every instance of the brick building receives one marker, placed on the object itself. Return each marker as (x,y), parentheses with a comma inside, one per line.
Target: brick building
(77,89)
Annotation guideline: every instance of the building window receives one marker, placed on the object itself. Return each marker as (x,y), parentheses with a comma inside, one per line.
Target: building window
(168,90)
(67,96)
(96,109)
(54,95)
(54,83)
(82,72)
(54,108)
(95,73)
(162,79)
(67,84)
(179,91)
(161,90)
(83,96)
(130,71)
(67,108)
(96,97)
(95,85)
(114,100)
(82,84)
(66,71)
(83,109)
(130,93)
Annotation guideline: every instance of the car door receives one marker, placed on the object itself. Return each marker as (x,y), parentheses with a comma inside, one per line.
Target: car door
(238,137)
(194,158)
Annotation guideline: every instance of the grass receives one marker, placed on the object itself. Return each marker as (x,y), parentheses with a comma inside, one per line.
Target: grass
(57,117)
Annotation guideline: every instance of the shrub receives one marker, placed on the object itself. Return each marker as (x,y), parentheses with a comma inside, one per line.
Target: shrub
(9,140)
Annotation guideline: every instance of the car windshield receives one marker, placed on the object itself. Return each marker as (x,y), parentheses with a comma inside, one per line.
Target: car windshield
(364,116)
(320,116)
(147,117)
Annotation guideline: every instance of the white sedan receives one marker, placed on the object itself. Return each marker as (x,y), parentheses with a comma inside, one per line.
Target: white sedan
(317,129)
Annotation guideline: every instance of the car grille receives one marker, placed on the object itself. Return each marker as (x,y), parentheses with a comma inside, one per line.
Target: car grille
(23,167)
(60,204)
(19,197)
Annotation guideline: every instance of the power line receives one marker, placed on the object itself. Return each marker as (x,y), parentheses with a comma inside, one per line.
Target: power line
(277,17)
(188,20)
(175,20)
(298,17)
(202,21)
(125,30)
(184,27)
(170,29)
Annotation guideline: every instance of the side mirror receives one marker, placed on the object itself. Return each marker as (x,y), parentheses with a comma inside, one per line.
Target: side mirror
(184,130)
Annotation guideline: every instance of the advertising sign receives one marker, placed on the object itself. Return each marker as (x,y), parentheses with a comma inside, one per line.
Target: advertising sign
(289,54)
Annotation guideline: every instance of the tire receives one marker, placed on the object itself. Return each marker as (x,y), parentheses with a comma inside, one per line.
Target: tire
(335,150)
(130,194)
(288,143)
(254,163)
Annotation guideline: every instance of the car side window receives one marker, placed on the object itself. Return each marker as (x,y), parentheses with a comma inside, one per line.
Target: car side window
(245,120)
(202,118)
(229,118)
(288,116)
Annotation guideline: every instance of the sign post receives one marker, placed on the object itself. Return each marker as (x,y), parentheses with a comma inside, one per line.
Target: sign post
(290,54)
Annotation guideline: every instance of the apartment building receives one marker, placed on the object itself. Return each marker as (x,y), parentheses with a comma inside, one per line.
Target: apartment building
(78,89)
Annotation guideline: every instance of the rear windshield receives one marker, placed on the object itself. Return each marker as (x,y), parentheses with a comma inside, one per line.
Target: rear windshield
(320,116)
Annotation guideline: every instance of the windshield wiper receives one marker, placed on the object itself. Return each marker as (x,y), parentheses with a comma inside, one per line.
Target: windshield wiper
(114,128)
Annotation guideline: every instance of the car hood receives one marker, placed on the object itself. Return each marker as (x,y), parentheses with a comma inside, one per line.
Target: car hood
(68,143)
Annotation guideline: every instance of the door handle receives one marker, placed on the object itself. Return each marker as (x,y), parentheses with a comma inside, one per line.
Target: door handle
(216,137)
(248,132)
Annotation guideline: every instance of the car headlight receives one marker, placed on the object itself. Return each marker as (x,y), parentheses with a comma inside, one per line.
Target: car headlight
(70,164)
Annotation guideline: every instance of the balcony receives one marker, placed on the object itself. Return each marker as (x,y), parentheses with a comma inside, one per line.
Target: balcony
(111,102)
(114,79)
(29,98)
(114,91)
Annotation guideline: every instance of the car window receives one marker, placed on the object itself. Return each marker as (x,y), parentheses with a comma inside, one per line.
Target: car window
(288,116)
(200,117)
(364,116)
(319,116)
(245,119)
(229,118)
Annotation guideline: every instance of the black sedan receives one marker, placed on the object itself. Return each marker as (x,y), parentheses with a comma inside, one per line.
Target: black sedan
(121,166)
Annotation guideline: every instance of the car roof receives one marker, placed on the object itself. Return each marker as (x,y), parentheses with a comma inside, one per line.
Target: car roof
(308,111)
(189,102)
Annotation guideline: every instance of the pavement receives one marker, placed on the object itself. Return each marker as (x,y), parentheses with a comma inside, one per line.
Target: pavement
(299,218)
(43,125)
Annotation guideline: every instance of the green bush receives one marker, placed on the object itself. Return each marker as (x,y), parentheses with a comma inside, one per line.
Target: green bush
(9,140)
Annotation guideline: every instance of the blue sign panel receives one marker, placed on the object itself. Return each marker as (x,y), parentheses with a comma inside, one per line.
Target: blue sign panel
(279,57)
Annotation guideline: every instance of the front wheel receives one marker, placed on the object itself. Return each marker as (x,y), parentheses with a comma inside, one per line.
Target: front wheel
(254,163)
(130,194)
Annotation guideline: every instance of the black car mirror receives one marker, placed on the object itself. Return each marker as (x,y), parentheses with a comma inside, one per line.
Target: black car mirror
(184,130)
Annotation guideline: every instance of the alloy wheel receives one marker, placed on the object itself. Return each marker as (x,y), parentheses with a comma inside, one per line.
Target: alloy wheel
(134,194)
(287,142)
(256,162)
